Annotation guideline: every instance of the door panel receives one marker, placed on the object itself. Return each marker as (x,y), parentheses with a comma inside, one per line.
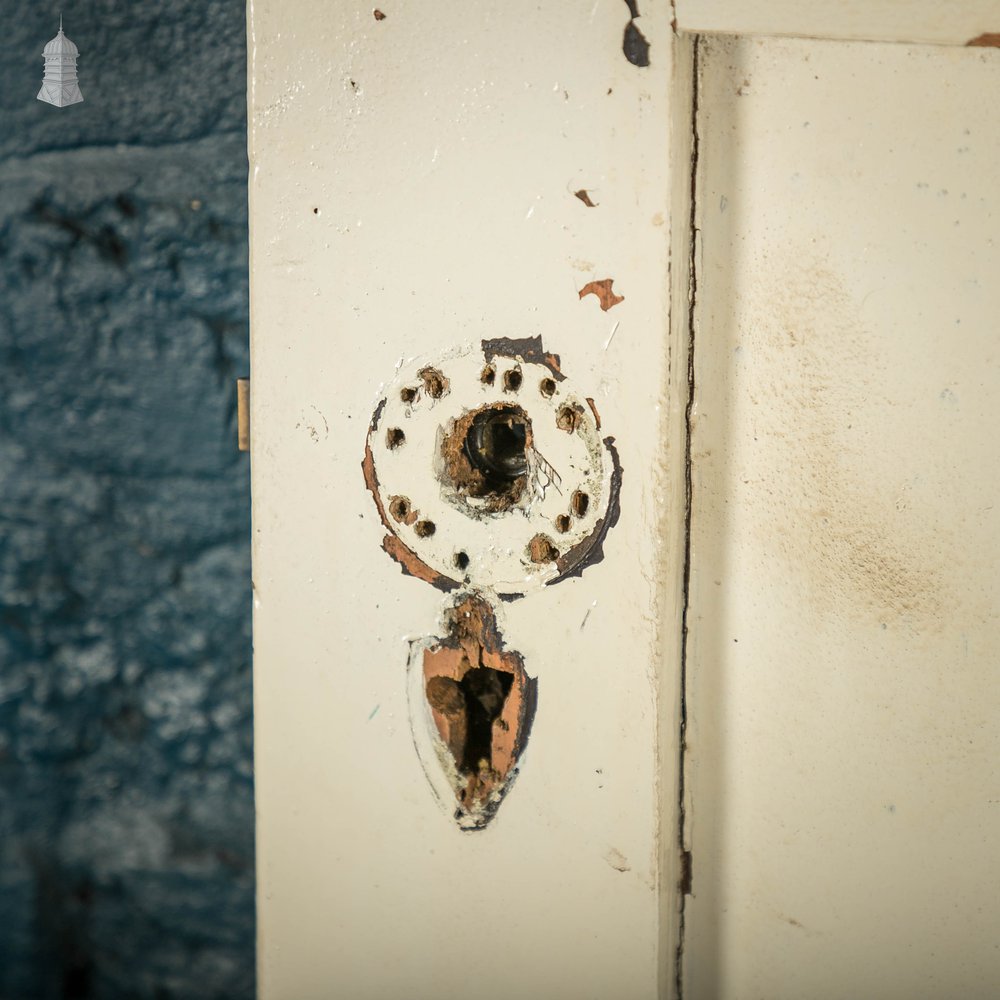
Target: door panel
(843,792)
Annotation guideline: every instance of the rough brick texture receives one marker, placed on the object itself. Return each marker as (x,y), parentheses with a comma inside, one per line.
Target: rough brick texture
(126,810)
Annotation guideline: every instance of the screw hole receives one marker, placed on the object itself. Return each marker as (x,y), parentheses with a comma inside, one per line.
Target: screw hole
(408,394)
(512,379)
(541,550)
(567,418)
(435,384)
(461,560)
(488,375)
(394,437)
(563,523)
(400,509)
(424,529)
(547,387)
(579,503)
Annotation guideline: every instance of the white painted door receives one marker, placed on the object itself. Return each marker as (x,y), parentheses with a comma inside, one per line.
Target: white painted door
(486,243)
(434,187)
(842,678)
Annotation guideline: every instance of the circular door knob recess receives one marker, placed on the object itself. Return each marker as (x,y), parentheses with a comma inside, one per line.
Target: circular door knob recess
(489,470)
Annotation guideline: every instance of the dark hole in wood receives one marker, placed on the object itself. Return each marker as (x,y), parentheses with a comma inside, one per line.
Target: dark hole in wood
(495,445)
(485,691)
(541,550)
(435,383)
(399,507)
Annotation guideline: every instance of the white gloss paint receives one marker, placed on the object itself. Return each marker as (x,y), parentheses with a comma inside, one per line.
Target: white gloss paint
(412,193)
(938,22)
(842,686)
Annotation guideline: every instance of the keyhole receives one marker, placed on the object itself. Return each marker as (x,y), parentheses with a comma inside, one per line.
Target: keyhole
(477,699)
(485,692)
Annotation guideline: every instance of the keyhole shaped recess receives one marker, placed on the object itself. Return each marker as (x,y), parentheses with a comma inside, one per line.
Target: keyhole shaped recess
(482,704)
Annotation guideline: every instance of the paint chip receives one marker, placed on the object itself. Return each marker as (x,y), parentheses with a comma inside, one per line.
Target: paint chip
(989,40)
(617,860)
(584,196)
(634,43)
(379,16)
(602,289)
(635,46)
(593,409)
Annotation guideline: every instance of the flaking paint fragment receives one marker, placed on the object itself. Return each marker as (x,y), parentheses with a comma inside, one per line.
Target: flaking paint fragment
(409,562)
(634,43)
(604,292)
(591,549)
(527,349)
(593,409)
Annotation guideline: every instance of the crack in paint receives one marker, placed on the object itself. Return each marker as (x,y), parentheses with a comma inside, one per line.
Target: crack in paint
(686,859)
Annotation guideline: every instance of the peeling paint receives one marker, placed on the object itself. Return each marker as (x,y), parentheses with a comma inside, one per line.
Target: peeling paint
(602,289)
(634,43)
(412,565)
(409,562)
(593,409)
(986,40)
(591,549)
(526,349)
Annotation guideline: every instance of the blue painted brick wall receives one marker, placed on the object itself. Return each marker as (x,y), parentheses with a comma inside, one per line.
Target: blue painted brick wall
(126,810)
